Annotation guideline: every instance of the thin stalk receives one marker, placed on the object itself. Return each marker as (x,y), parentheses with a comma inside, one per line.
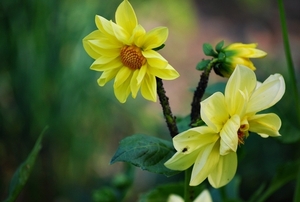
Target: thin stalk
(189,192)
(164,102)
(288,55)
(199,92)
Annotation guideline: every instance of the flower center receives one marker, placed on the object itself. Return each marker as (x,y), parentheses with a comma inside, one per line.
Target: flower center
(132,57)
(242,133)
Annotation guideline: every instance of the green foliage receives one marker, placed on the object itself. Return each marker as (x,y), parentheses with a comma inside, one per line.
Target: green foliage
(147,152)
(22,174)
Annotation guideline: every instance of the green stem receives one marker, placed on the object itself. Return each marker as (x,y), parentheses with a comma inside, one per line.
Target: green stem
(189,192)
(288,55)
(199,92)
(164,101)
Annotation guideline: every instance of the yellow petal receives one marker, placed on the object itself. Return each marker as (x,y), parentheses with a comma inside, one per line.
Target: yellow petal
(168,73)
(124,74)
(155,38)
(154,59)
(235,46)
(229,137)
(87,46)
(137,79)
(120,33)
(265,124)
(175,198)
(224,171)
(234,61)
(122,91)
(105,63)
(182,161)
(242,80)
(206,161)
(214,111)
(267,94)
(194,138)
(125,16)
(107,76)
(138,36)
(204,197)
(104,25)
(148,88)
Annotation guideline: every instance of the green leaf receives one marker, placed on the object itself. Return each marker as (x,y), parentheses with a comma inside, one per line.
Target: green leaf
(22,174)
(147,152)
(219,46)
(208,50)
(202,65)
(159,48)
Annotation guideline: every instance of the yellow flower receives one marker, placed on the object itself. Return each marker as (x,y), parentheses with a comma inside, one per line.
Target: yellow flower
(229,118)
(203,197)
(124,51)
(234,54)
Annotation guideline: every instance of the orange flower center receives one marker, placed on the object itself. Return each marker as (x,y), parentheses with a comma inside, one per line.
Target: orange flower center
(132,57)
(242,133)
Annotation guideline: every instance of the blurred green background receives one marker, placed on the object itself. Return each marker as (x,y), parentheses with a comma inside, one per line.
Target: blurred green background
(45,80)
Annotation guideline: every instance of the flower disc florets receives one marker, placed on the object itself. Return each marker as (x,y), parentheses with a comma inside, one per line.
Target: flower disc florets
(132,57)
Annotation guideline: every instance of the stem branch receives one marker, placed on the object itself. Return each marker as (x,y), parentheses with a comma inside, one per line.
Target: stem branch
(164,101)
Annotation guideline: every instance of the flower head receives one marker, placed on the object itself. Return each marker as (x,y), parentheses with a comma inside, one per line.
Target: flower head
(229,118)
(234,54)
(203,197)
(124,51)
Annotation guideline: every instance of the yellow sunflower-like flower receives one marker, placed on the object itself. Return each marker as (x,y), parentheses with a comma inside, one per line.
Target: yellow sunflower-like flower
(229,118)
(124,51)
(237,53)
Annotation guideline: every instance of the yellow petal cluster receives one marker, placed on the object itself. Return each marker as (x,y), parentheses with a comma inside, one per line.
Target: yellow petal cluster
(229,117)
(237,53)
(204,196)
(123,50)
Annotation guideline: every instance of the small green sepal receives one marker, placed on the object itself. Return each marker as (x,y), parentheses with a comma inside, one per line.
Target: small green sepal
(208,50)
(159,48)
(202,65)
(219,46)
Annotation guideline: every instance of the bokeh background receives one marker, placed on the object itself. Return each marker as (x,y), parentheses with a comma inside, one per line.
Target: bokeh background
(45,81)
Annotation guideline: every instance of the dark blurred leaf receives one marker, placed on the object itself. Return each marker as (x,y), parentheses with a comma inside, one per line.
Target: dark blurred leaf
(161,193)
(147,152)
(22,174)
(208,50)
(202,65)
(284,174)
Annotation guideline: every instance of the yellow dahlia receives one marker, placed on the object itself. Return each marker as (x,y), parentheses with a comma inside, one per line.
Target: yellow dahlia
(124,51)
(211,149)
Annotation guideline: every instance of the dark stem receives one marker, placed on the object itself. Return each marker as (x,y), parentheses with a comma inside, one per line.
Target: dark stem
(164,101)
(195,112)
